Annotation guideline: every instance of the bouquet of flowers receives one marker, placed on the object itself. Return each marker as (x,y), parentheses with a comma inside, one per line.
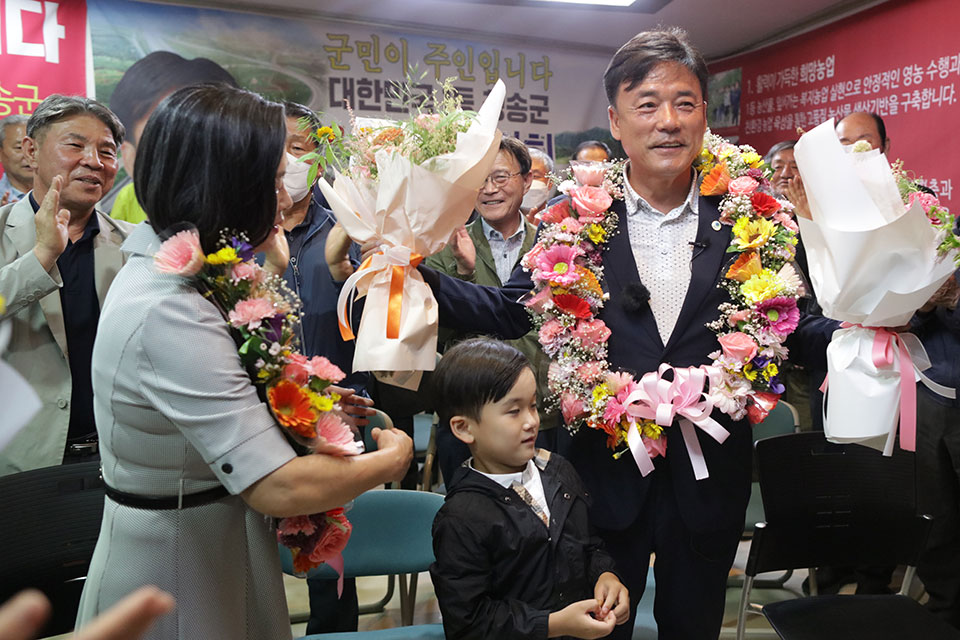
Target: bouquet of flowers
(406,187)
(878,251)
(261,312)
(761,279)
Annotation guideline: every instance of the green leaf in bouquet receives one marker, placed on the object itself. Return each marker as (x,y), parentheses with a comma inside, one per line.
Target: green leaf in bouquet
(254,348)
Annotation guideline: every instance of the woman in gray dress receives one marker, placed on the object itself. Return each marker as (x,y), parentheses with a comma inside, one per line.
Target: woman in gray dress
(196,466)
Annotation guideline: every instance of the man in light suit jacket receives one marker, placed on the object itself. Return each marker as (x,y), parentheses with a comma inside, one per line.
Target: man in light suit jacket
(58,256)
(661,271)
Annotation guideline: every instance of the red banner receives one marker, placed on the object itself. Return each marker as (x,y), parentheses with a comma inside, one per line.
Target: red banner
(900,60)
(43,50)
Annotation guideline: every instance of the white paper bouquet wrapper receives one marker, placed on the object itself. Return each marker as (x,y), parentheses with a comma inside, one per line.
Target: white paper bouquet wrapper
(411,211)
(873,263)
(18,401)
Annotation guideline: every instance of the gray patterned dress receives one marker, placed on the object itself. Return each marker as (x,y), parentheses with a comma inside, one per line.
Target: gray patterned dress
(177,414)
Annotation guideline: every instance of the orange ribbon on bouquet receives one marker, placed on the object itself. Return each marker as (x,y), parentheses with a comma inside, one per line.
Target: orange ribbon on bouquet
(397,259)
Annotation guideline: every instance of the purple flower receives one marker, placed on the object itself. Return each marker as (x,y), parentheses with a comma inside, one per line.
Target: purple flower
(244,249)
(781,314)
(274,328)
(775,385)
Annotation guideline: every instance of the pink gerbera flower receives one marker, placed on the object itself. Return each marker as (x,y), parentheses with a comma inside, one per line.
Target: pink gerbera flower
(781,314)
(557,265)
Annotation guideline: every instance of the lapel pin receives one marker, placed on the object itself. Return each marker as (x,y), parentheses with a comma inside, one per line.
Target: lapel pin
(716,225)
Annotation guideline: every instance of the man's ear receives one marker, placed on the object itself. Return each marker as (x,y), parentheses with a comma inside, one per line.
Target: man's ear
(460,426)
(614,122)
(29,148)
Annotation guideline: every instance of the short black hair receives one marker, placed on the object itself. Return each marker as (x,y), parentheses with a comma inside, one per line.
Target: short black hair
(877,120)
(783,145)
(209,156)
(472,374)
(519,151)
(299,111)
(57,106)
(154,76)
(637,58)
(591,144)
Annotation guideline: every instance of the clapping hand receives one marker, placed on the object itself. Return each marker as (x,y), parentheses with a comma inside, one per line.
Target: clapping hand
(797,195)
(52,224)
(464,251)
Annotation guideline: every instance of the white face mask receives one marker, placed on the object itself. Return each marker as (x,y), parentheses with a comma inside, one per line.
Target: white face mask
(535,196)
(295,180)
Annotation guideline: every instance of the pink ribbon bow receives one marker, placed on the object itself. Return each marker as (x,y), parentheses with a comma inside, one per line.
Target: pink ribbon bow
(664,401)
(886,346)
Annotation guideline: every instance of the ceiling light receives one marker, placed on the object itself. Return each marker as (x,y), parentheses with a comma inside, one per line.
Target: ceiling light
(608,3)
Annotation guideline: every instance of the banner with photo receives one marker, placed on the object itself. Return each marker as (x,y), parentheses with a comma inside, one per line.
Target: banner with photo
(899,60)
(554,98)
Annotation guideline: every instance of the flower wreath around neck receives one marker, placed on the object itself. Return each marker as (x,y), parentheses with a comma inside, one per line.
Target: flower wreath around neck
(566,266)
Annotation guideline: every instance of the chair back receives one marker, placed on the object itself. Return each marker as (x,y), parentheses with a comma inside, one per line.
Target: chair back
(781,419)
(392,534)
(49,524)
(829,504)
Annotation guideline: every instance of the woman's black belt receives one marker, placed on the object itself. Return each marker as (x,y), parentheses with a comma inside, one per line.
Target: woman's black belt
(167,502)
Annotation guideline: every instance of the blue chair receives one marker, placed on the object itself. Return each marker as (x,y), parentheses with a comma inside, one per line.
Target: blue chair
(392,535)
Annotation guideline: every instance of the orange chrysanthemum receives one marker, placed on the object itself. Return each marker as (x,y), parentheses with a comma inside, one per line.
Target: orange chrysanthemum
(390,134)
(589,282)
(745,267)
(716,182)
(291,405)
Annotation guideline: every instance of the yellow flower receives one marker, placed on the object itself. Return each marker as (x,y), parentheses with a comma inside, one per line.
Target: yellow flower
(650,429)
(227,255)
(726,150)
(749,372)
(596,233)
(752,158)
(751,234)
(2,304)
(600,393)
(770,370)
(324,131)
(763,286)
(321,403)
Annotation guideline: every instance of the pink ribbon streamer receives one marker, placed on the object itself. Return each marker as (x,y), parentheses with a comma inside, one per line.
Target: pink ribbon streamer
(665,401)
(336,563)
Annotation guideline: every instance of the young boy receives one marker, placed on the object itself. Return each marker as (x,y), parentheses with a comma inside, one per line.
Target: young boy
(515,557)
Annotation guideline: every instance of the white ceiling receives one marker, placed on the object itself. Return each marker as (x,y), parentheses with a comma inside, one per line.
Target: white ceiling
(719,27)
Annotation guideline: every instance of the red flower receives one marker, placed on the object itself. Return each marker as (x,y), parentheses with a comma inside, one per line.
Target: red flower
(333,538)
(574,305)
(764,204)
(557,212)
(291,405)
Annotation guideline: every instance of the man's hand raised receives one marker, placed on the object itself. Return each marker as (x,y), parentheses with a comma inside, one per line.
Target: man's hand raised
(52,226)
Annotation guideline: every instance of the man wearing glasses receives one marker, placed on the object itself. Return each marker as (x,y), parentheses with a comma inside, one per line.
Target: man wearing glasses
(485,252)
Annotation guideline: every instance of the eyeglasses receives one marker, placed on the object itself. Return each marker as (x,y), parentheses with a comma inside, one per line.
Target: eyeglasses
(499,179)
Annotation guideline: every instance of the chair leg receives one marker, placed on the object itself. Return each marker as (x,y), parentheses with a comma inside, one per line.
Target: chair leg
(814,590)
(379,605)
(427,483)
(908,577)
(744,602)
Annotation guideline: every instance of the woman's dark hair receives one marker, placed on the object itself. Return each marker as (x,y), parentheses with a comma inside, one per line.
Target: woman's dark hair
(637,58)
(155,75)
(209,156)
(473,373)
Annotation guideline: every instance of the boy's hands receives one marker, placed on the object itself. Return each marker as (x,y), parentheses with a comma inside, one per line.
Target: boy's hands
(578,620)
(612,596)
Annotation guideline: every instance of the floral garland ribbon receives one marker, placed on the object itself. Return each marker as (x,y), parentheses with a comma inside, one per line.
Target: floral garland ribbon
(262,314)
(566,266)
